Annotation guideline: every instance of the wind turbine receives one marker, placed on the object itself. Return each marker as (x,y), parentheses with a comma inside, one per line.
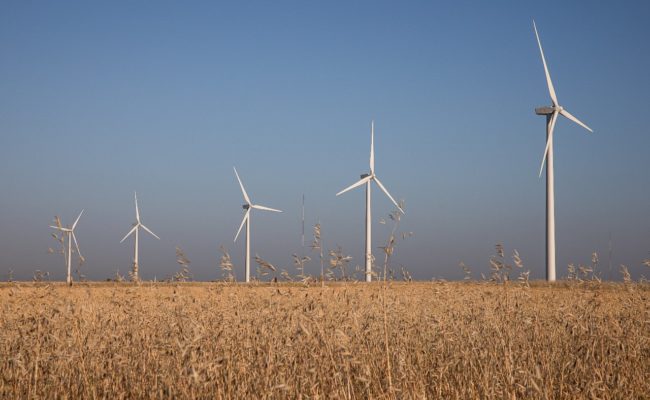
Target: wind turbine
(551,113)
(71,237)
(367,180)
(136,228)
(247,219)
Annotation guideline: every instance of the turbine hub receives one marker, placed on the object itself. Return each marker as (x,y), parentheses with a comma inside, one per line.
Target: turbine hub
(364,175)
(246,206)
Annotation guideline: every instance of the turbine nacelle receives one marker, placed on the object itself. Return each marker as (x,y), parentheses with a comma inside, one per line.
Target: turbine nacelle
(545,110)
(548,110)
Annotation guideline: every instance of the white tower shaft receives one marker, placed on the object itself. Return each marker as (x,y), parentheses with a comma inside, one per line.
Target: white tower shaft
(368,252)
(248,249)
(136,264)
(69,278)
(550,207)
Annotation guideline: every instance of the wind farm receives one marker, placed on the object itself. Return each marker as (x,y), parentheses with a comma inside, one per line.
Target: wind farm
(396,238)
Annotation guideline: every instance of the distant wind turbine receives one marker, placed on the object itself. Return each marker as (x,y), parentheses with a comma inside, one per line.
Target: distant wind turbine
(247,220)
(136,228)
(551,114)
(71,236)
(367,179)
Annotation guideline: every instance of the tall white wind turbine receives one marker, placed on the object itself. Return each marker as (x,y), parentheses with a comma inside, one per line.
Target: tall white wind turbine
(367,179)
(551,114)
(136,229)
(247,220)
(71,236)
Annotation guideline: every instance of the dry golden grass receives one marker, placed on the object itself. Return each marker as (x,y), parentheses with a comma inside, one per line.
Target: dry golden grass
(417,340)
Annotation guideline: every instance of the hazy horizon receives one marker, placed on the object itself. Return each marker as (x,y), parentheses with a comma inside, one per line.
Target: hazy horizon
(102,100)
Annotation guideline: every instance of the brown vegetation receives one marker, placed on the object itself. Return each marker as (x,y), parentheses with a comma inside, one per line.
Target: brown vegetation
(346,340)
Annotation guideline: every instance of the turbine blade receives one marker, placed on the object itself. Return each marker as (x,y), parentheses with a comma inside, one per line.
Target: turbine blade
(149,230)
(551,90)
(130,232)
(372,147)
(258,207)
(549,141)
(359,183)
(76,245)
(137,210)
(576,120)
(77,220)
(58,228)
(388,194)
(248,201)
(242,223)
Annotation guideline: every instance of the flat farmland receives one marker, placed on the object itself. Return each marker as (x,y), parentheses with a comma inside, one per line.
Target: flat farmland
(344,340)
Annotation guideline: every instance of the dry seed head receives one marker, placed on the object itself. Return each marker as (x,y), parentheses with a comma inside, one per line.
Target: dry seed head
(517,259)
(264,264)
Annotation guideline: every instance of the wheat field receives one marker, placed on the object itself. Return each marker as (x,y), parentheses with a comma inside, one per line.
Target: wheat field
(345,340)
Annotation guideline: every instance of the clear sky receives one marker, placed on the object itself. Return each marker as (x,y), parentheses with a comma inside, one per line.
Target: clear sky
(99,100)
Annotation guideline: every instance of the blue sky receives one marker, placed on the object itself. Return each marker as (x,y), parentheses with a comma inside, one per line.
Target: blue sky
(99,100)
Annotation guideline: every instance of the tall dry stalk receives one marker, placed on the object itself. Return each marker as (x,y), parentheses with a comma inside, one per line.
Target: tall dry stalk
(60,238)
(500,269)
(226,265)
(388,249)
(523,275)
(339,261)
(299,263)
(317,245)
(467,272)
(264,268)
(40,276)
(118,277)
(183,274)
(627,277)
(572,273)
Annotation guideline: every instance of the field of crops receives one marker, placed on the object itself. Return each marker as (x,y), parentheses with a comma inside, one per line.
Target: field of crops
(399,340)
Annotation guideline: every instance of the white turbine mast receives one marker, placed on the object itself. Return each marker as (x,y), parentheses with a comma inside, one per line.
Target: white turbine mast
(248,206)
(136,229)
(551,114)
(71,236)
(367,179)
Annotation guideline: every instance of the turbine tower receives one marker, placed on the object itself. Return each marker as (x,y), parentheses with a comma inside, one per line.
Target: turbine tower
(551,113)
(367,179)
(136,228)
(247,219)
(71,237)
